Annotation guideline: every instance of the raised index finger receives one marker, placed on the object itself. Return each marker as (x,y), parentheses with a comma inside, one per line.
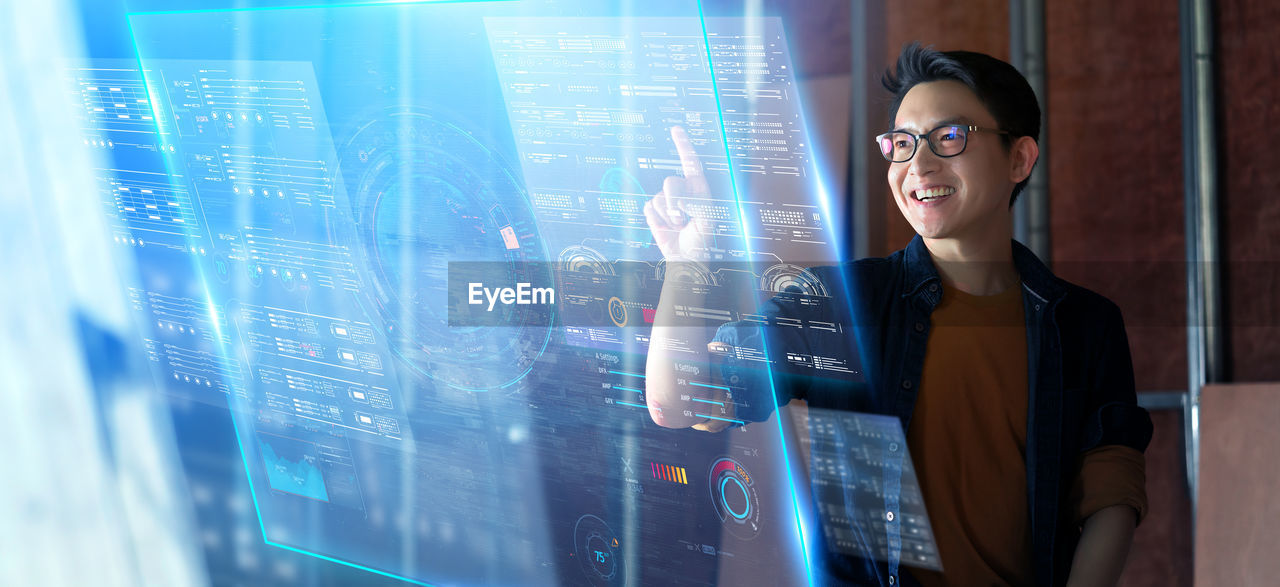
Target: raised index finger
(689,162)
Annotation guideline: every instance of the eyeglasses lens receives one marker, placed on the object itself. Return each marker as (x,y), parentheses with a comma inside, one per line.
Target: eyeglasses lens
(945,141)
(948,141)
(897,146)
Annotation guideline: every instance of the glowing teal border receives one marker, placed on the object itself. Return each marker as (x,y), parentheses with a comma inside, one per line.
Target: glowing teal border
(800,527)
(742,220)
(309,6)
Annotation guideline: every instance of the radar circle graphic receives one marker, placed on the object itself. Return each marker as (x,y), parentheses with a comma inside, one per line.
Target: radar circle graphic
(425,192)
(788,278)
(619,181)
(598,551)
(580,259)
(733,495)
(684,272)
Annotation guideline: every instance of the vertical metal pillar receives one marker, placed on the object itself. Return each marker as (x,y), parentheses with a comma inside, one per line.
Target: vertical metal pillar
(860,137)
(1200,171)
(1027,53)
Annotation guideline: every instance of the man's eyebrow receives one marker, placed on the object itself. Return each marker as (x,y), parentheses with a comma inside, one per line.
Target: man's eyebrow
(964,120)
(960,120)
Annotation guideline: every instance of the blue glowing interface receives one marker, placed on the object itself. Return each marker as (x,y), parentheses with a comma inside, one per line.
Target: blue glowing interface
(295,185)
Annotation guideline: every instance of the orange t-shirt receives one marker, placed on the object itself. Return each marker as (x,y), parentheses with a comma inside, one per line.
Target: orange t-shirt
(968,439)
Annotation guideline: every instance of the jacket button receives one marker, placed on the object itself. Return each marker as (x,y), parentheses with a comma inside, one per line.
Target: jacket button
(919,326)
(906,384)
(933,287)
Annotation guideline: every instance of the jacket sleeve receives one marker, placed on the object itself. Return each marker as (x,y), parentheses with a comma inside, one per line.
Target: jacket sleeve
(1112,415)
(739,350)
(790,347)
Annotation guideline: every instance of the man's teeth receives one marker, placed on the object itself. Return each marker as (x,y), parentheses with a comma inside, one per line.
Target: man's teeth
(933,193)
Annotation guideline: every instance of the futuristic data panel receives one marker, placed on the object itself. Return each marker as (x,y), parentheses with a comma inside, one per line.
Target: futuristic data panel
(277,247)
(302,185)
(854,460)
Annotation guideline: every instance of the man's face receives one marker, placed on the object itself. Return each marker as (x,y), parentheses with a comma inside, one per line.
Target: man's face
(974,185)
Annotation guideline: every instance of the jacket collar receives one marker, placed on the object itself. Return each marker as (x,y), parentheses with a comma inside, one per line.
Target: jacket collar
(919,267)
(1036,278)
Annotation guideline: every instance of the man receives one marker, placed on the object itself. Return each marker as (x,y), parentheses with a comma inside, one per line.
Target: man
(1015,388)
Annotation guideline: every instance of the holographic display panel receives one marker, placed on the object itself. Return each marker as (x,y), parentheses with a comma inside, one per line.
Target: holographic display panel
(296,184)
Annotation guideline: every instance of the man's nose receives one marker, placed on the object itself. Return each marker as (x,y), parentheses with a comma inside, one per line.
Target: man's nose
(924,161)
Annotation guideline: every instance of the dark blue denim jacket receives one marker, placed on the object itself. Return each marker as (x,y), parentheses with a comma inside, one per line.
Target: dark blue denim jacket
(1080,377)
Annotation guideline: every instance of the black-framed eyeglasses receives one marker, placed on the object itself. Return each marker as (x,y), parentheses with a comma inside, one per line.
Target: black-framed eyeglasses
(948,140)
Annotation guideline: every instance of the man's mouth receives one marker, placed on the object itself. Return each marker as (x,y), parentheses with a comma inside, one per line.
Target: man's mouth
(932,193)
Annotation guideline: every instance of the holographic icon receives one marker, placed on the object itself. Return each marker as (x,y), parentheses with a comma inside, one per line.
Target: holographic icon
(580,259)
(733,494)
(598,551)
(788,278)
(617,312)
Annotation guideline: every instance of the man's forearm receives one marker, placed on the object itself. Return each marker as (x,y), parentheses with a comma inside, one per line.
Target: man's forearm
(1104,547)
(662,391)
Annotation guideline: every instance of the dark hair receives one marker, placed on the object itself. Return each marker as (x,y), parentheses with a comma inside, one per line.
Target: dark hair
(998,85)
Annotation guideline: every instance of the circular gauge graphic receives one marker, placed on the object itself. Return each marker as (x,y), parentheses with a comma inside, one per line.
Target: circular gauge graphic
(733,495)
(288,279)
(788,278)
(580,259)
(598,551)
(256,274)
(426,193)
(617,312)
(689,273)
(222,267)
(619,181)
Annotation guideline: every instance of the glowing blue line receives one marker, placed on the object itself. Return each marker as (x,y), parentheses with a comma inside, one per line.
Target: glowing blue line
(310,6)
(169,175)
(842,246)
(625,373)
(632,405)
(349,564)
(742,220)
(244,458)
(628,389)
(721,419)
(709,385)
(707,401)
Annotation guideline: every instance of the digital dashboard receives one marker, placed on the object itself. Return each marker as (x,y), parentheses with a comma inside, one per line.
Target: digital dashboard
(301,188)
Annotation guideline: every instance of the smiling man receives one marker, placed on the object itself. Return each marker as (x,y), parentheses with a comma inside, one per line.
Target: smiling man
(1015,387)
(963,144)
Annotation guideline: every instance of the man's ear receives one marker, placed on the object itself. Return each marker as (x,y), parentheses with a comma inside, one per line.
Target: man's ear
(1025,152)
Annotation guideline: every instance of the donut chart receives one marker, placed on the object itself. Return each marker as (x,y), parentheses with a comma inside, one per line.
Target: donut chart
(598,551)
(733,494)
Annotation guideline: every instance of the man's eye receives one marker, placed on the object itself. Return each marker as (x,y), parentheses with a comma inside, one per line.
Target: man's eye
(949,136)
(902,144)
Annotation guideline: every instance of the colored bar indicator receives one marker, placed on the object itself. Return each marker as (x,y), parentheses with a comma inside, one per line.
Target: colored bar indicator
(670,473)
